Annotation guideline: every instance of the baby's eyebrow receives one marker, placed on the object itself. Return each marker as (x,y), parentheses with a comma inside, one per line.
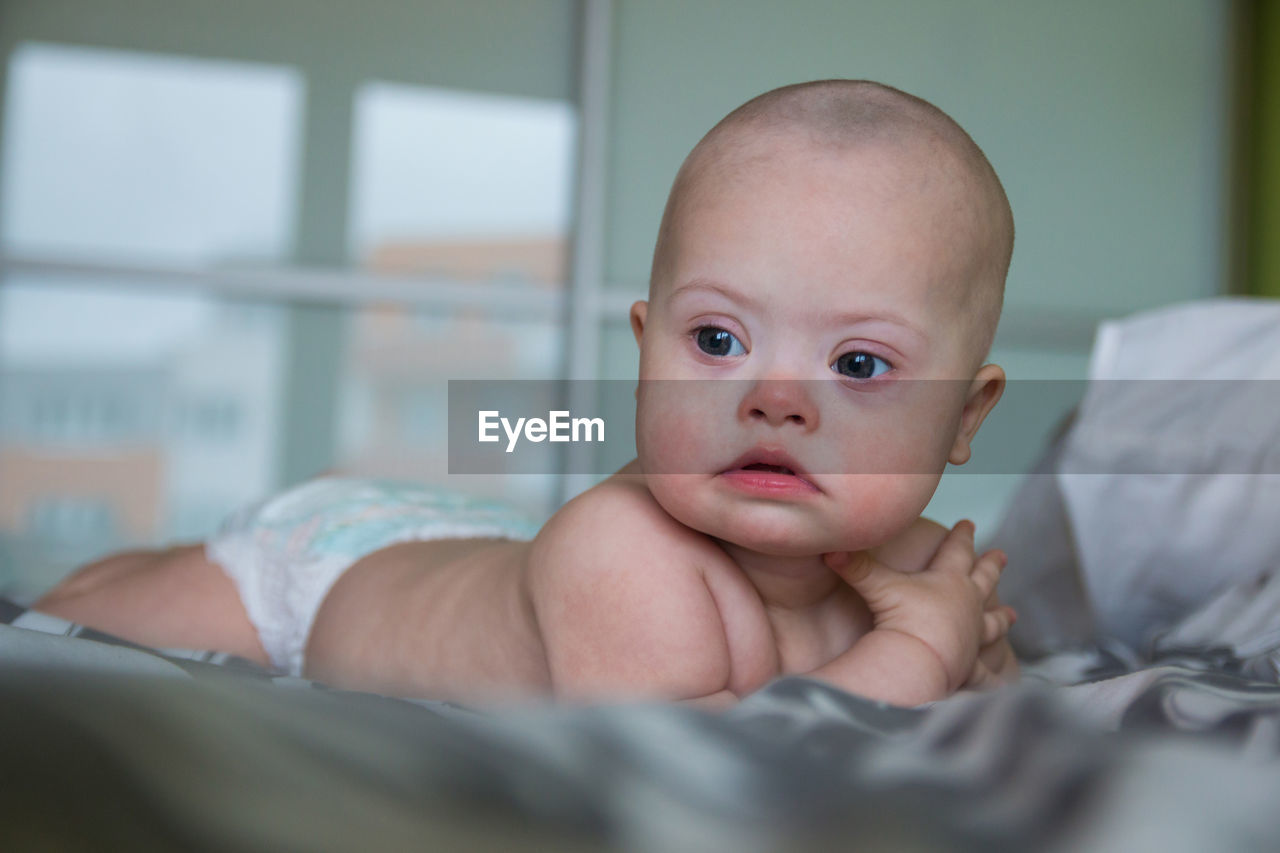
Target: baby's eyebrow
(701,284)
(848,318)
(853,318)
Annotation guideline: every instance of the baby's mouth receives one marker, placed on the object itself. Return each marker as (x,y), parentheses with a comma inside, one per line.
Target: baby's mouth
(775,469)
(770,469)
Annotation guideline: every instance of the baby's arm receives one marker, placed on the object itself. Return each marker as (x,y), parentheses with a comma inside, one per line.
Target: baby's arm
(929,625)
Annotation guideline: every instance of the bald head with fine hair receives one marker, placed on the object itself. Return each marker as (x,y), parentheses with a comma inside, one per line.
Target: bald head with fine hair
(836,116)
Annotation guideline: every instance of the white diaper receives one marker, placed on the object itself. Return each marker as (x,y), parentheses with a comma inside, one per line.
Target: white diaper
(285,553)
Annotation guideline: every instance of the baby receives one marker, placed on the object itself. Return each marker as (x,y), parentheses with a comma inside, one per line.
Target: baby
(828,246)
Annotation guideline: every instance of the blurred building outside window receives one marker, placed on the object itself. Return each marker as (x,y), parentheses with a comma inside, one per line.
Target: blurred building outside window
(465,187)
(135,413)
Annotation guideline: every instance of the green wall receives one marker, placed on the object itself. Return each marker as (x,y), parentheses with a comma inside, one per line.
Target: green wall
(1264,237)
(518,46)
(1106,121)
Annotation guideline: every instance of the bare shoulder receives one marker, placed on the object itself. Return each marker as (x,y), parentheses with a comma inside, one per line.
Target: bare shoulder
(913,548)
(621,600)
(621,515)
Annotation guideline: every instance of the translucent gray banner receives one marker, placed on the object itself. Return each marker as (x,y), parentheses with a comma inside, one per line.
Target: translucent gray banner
(870,427)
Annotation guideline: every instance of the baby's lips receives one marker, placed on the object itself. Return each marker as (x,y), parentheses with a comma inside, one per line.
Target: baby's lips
(773,457)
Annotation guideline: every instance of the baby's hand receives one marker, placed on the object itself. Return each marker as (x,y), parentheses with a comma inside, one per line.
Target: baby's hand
(996,663)
(942,607)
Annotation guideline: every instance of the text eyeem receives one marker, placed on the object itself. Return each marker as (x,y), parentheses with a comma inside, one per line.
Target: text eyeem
(558,426)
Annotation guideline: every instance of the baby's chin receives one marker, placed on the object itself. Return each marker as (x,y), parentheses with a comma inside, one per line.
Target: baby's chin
(779,537)
(788,550)
(790,546)
(775,530)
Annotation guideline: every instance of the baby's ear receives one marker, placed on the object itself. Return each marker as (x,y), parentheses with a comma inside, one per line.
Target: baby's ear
(639,311)
(984,392)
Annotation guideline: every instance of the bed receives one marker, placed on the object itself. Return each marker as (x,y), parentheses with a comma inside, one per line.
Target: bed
(1159,731)
(110,746)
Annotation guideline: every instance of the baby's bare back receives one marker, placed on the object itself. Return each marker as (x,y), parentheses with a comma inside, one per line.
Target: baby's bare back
(445,619)
(613,597)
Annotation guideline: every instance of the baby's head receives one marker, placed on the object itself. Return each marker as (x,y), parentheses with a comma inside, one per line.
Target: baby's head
(822,245)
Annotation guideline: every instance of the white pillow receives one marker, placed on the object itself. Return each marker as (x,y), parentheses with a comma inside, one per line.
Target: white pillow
(1171,474)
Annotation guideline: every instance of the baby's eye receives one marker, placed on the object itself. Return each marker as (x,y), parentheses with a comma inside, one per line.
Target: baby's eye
(860,365)
(716,341)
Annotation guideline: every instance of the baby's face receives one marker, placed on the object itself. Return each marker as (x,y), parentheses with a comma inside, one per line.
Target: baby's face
(819,282)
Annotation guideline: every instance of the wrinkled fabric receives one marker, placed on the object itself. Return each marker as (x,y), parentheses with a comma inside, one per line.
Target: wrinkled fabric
(1096,749)
(1170,474)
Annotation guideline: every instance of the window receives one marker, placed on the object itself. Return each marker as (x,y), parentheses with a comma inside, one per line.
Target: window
(229,262)
(462,188)
(137,157)
(66,519)
(122,158)
(472,186)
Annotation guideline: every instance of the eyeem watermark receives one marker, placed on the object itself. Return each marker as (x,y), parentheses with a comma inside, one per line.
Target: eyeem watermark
(507,427)
(528,426)
(559,426)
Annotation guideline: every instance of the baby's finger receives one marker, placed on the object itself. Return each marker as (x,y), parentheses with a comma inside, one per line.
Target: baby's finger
(999,658)
(853,566)
(981,677)
(867,575)
(995,625)
(992,601)
(955,554)
(986,571)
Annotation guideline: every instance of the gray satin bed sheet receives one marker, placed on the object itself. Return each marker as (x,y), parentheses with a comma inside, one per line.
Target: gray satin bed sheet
(1098,749)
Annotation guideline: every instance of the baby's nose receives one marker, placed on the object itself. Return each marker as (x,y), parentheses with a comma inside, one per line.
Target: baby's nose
(780,401)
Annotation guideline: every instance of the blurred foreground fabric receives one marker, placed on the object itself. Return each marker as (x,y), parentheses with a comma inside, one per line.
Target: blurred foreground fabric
(108,746)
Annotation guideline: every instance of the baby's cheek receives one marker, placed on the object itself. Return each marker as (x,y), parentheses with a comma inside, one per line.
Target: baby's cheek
(664,447)
(673,439)
(873,508)
(676,494)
